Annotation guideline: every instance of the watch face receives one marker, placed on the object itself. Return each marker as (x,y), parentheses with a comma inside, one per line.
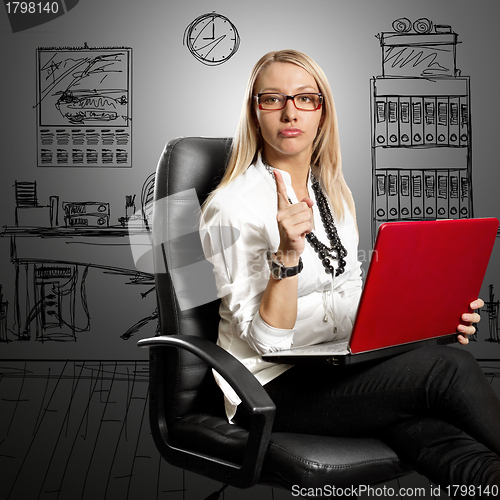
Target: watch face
(212,39)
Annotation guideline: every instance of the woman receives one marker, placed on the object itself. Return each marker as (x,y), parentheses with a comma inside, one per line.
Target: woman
(288,208)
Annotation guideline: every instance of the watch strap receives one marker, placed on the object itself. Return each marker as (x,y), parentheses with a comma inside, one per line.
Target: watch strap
(279,271)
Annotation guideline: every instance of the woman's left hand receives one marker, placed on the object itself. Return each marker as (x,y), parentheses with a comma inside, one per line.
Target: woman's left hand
(468,329)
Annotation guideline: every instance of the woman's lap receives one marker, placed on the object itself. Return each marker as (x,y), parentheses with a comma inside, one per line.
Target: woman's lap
(444,382)
(429,404)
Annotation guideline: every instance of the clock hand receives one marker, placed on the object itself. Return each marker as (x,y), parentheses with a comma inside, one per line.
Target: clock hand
(213,33)
(214,44)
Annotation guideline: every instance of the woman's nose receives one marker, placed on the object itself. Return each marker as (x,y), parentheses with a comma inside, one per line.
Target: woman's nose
(289,112)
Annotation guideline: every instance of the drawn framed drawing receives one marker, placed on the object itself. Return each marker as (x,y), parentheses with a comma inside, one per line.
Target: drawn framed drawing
(84,107)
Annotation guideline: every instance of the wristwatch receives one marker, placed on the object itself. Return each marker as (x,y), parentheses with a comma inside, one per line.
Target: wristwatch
(278,269)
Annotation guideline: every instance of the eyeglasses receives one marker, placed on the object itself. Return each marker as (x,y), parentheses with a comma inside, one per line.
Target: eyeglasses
(304,102)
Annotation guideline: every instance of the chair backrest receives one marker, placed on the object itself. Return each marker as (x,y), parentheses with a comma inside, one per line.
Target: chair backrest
(187,163)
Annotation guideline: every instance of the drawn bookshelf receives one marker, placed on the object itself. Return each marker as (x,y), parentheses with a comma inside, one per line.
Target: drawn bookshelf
(421,129)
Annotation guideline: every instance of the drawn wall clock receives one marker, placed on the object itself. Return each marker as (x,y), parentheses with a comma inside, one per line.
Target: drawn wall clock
(212,39)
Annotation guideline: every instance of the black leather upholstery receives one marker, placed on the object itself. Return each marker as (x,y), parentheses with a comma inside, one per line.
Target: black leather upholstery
(186,416)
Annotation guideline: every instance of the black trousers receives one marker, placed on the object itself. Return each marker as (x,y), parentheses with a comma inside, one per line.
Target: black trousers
(433,406)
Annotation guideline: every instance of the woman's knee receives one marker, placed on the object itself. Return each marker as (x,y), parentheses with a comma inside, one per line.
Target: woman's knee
(452,356)
(444,367)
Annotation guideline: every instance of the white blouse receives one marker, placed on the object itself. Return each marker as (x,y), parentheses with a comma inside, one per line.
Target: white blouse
(238,227)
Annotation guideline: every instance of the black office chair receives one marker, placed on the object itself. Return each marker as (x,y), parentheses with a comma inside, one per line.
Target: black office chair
(187,419)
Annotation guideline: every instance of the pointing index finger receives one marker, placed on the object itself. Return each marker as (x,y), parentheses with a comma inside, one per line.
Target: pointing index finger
(281,190)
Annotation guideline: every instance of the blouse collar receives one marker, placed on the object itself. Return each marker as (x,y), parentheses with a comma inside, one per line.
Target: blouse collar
(287,179)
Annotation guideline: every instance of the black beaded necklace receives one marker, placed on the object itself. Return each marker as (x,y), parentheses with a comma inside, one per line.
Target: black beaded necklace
(336,250)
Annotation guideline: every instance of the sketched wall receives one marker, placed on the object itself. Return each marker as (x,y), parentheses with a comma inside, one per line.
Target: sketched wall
(72,301)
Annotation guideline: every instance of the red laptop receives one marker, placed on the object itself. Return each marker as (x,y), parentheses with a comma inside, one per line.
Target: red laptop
(422,277)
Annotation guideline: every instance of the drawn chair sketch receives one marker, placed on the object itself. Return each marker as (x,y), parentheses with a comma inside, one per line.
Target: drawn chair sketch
(186,408)
(146,213)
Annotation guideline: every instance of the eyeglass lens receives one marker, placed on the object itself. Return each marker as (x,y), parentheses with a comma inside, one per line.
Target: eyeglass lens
(278,101)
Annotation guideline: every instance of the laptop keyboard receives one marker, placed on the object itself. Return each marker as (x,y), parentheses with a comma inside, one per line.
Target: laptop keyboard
(326,348)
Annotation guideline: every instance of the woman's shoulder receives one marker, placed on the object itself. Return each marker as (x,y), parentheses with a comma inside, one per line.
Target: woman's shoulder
(240,198)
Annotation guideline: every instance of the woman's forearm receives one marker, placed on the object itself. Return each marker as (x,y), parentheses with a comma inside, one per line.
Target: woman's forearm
(278,307)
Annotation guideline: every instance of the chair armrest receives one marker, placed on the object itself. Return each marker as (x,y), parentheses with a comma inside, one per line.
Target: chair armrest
(244,383)
(253,396)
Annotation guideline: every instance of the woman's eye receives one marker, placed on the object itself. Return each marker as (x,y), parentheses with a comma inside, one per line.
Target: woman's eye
(272,99)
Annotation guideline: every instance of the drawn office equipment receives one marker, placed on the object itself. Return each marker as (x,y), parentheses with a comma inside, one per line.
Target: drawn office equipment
(422,25)
(430,194)
(212,39)
(417,192)
(492,308)
(421,54)
(402,25)
(454,203)
(380,133)
(392,195)
(3,317)
(405,195)
(50,298)
(405,132)
(417,128)
(465,194)
(28,210)
(442,211)
(380,196)
(392,122)
(430,121)
(420,122)
(442,133)
(464,120)
(86,214)
(454,114)
(55,297)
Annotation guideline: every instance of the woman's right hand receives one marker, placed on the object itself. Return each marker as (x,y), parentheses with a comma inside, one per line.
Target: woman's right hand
(294,222)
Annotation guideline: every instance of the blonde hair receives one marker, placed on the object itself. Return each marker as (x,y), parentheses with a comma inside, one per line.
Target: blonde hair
(325,160)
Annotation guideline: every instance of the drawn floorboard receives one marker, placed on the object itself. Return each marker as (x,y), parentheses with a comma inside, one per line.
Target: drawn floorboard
(79,430)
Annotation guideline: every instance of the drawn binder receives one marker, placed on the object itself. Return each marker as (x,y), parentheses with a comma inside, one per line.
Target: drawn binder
(464,194)
(417,197)
(454,203)
(442,134)
(404,121)
(392,196)
(464,121)
(430,194)
(405,195)
(430,121)
(392,122)
(380,129)
(380,200)
(417,126)
(454,128)
(442,195)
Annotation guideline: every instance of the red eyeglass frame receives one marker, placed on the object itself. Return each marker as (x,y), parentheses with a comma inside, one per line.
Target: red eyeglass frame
(292,97)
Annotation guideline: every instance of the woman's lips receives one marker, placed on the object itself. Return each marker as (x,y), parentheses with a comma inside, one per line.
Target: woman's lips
(290,132)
